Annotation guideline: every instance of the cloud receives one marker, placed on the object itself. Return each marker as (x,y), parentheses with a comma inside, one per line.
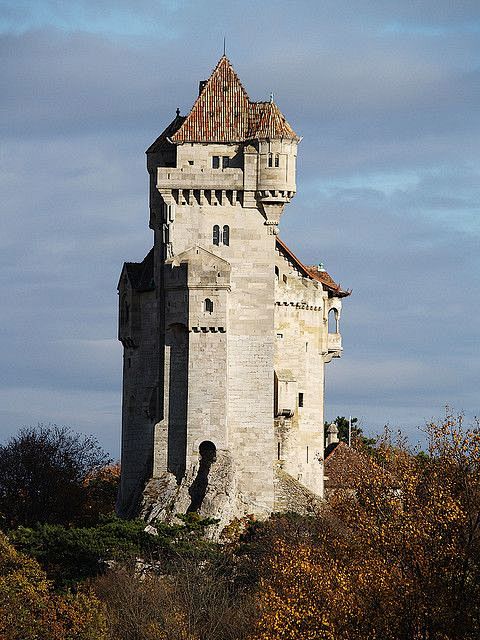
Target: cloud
(388,189)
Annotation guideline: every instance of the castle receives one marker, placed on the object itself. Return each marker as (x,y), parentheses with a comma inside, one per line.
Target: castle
(225,332)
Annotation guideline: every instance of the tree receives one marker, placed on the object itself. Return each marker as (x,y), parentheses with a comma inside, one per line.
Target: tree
(101,488)
(43,474)
(396,556)
(194,601)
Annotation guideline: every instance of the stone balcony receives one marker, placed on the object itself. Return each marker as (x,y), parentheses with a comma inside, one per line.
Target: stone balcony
(334,344)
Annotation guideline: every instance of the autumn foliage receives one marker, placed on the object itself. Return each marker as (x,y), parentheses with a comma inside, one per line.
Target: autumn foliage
(393,554)
(394,557)
(30,610)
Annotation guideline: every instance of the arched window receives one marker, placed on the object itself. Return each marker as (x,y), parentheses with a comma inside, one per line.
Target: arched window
(277,160)
(333,321)
(216,235)
(226,235)
(208,305)
(207,451)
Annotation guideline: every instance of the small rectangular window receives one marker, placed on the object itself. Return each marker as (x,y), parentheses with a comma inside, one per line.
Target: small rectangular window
(225,162)
(190,162)
(277,160)
(270,160)
(300,399)
(215,162)
(280,335)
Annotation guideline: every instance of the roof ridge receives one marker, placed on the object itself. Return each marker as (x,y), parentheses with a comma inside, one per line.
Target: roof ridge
(327,282)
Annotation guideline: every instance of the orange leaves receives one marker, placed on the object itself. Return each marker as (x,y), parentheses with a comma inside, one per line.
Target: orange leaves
(29,610)
(394,556)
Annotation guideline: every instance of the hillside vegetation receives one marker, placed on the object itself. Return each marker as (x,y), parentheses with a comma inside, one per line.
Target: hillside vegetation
(392,555)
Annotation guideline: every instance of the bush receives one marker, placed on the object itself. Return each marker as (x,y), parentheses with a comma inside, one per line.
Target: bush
(30,610)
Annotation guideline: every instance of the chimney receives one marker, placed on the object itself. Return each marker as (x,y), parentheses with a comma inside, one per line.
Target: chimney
(332,434)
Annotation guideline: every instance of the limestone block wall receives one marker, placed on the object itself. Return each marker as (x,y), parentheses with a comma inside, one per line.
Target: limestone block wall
(300,329)
(277,165)
(230,350)
(139,393)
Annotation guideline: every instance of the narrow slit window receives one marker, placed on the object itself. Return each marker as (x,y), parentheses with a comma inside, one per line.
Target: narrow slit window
(208,305)
(307,455)
(300,399)
(278,451)
(216,235)
(277,274)
(215,162)
(277,160)
(270,160)
(126,312)
(226,235)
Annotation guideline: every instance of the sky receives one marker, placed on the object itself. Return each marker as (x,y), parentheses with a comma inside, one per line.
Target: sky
(387,98)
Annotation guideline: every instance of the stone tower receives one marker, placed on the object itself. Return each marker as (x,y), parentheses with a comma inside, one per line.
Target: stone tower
(225,331)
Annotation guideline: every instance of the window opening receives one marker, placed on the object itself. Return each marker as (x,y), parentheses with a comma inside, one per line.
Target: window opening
(300,399)
(215,162)
(190,162)
(333,321)
(270,160)
(278,451)
(208,305)
(225,162)
(277,273)
(307,455)
(277,160)
(216,235)
(125,312)
(284,278)
(226,235)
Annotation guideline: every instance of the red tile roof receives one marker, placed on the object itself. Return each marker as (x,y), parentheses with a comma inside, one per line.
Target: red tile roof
(312,272)
(223,112)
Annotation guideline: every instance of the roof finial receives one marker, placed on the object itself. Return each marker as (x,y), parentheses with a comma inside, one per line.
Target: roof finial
(224,45)
(178,111)
(272,95)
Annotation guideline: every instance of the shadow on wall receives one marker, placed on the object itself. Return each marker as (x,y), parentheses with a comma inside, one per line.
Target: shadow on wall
(176,339)
(198,488)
